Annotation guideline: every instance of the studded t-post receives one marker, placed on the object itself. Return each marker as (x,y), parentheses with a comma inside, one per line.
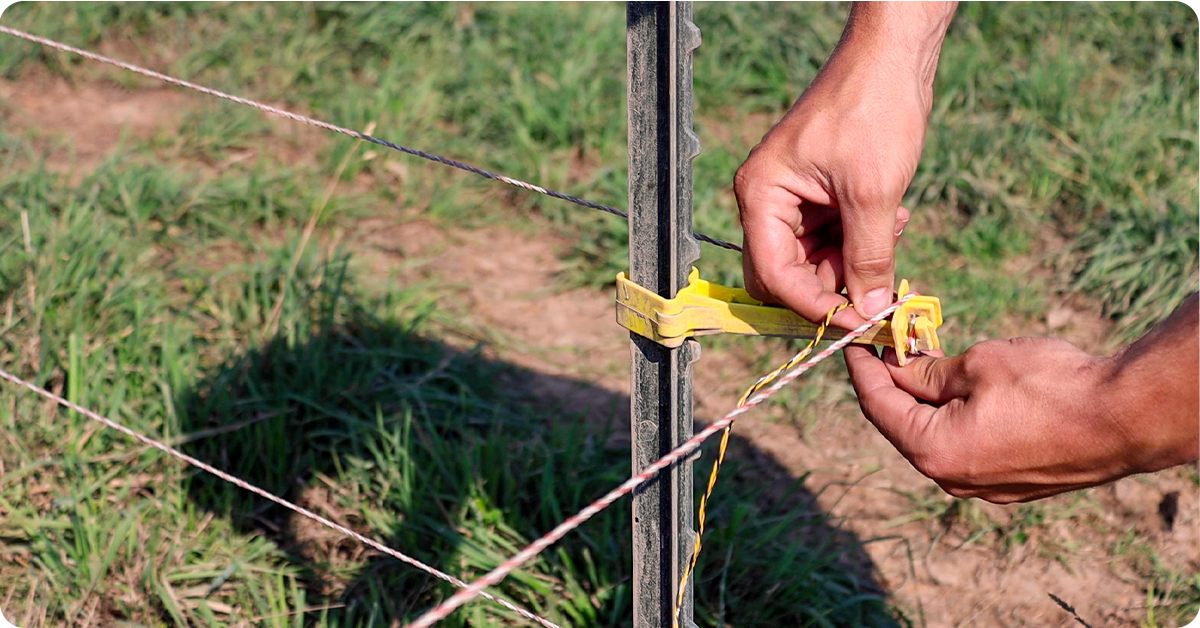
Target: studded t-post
(661,38)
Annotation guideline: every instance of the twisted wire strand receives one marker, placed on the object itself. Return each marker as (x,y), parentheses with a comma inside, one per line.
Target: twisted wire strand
(487,174)
(175,453)
(753,397)
(463,596)
(702,511)
(468,592)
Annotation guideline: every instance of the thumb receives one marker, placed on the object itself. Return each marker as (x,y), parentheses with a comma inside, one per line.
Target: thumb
(869,257)
(933,379)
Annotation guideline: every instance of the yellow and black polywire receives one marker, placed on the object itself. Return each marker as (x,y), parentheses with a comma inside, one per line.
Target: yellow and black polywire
(763,381)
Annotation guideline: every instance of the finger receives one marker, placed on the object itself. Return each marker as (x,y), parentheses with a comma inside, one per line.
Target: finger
(902,217)
(796,209)
(929,378)
(812,243)
(773,270)
(895,413)
(809,298)
(868,250)
(823,251)
(815,236)
(814,217)
(829,269)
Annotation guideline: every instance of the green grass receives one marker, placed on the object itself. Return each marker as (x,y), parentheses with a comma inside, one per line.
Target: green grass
(1052,123)
(354,400)
(1064,139)
(1172,594)
(1073,123)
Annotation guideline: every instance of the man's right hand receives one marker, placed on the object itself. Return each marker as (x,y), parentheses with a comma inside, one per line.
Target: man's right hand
(820,196)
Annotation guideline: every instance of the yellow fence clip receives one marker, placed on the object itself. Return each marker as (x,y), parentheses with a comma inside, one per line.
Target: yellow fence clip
(704,308)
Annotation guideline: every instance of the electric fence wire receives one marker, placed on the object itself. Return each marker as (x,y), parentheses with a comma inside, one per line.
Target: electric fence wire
(463,596)
(475,589)
(300,510)
(487,174)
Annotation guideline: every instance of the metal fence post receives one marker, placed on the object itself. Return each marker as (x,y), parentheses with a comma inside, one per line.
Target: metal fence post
(660,39)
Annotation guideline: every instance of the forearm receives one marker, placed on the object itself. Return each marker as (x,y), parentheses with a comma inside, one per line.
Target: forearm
(1154,387)
(903,37)
(820,197)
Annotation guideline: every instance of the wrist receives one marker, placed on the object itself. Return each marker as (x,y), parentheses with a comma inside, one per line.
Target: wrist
(1135,397)
(1109,420)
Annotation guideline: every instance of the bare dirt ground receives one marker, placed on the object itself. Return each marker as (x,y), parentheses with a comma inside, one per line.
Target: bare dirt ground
(85,123)
(506,284)
(505,281)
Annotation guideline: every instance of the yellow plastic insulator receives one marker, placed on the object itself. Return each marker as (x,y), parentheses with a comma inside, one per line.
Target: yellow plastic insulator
(704,308)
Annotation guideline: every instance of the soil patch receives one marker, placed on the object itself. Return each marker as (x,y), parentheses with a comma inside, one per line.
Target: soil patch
(944,567)
(81,126)
(944,574)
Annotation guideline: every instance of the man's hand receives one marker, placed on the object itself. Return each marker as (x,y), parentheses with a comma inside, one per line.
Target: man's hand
(820,195)
(1027,418)
(1007,420)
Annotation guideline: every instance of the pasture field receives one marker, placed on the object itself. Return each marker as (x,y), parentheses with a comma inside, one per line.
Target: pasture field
(434,363)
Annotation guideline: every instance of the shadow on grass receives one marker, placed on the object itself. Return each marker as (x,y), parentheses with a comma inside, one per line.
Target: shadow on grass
(459,460)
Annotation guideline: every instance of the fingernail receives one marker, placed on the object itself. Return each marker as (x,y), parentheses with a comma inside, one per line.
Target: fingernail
(875,301)
(900,227)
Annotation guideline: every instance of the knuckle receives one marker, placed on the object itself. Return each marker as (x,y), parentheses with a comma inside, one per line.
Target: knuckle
(873,263)
(946,468)
(765,276)
(867,194)
(1000,498)
(989,348)
(741,179)
(749,173)
(932,466)
(744,183)
(957,490)
(757,290)
(979,356)
(762,282)
(870,189)
(1025,342)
